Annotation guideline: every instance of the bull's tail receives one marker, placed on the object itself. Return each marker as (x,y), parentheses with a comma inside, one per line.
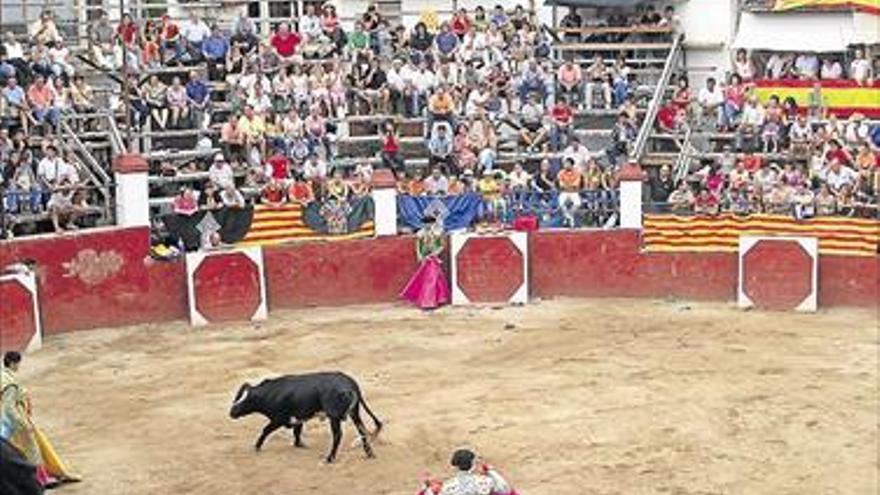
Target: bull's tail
(376,420)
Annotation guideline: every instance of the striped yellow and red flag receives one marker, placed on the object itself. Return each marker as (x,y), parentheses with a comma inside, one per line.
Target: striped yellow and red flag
(836,235)
(279,224)
(871,6)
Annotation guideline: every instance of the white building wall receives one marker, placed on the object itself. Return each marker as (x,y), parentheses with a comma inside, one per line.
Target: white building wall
(710,28)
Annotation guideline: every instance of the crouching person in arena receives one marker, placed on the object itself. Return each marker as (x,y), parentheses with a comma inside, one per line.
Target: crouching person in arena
(472,478)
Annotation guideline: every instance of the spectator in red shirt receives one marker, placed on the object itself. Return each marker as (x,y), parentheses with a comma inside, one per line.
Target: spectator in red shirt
(127,31)
(461,23)
(836,152)
(285,41)
(391,157)
(279,164)
(561,116)
(300,192)
(273,193)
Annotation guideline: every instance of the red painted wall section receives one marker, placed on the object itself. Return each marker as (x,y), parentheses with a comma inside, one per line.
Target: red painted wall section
(849,281)
(17,322)
(227,287)
(338,273)
(610,264)
(101,278)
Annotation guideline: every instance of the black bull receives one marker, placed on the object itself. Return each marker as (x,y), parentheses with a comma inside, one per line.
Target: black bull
(290,400)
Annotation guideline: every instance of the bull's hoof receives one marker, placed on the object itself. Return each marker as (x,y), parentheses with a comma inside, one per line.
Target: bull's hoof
(299,445)
(329,460)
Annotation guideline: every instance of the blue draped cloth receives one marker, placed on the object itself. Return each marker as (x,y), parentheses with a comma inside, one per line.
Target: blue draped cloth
(460,211)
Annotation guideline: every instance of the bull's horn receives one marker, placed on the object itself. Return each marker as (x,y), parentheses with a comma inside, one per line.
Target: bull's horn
(242,393)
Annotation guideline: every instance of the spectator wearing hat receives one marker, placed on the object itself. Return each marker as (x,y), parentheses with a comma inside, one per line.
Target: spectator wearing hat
(220,173)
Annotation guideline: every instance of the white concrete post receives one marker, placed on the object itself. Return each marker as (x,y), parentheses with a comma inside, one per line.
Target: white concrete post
(631,178)
(384,202)
(132,190)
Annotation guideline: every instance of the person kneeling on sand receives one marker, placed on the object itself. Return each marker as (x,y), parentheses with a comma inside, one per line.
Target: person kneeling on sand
(472,478)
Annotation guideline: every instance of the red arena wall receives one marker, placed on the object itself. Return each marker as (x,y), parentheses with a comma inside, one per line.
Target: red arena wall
(100,278)
(105,278)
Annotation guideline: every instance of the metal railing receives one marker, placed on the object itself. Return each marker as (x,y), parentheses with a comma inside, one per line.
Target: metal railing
(97,175)
(657,99)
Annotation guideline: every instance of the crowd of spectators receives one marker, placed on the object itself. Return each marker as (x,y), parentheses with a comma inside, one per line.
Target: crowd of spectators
(481,81)
(39,178)
(776,156)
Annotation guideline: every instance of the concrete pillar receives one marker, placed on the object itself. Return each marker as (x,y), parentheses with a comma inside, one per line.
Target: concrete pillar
(131,171)
(385,202)
(631,179)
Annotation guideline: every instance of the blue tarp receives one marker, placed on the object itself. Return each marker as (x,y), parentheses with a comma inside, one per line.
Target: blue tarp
(460,212)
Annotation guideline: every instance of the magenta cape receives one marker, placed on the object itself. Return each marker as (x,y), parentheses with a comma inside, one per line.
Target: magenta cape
(427,288)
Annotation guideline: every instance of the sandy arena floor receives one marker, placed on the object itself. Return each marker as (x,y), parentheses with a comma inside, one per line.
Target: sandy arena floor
(580,397)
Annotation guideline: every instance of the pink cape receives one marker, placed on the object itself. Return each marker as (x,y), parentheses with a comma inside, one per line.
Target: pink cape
(427,288)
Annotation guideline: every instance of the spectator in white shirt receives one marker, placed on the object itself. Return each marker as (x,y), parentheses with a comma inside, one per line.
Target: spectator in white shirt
(14,48)
(194,32)
(711,101)
(831,69)
(396,84)
(423,81)
(837,176)
(310,23)
(314,169)
(578,153)
(519,178)
(436,184)
(860,67)
(778,65)
(221,173)
(51,170)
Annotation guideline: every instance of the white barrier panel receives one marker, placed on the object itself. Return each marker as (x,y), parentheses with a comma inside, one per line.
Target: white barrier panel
(28,281)
(778,272)
(197,259)
(485,270)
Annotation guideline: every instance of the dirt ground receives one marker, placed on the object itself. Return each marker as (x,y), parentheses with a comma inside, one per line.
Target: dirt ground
(565,396)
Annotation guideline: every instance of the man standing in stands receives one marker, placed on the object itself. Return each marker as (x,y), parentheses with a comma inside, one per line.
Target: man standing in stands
(199,98)
(571,182)
(214,49)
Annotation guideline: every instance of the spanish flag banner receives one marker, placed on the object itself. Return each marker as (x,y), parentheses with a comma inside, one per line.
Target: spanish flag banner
(837,235)
(839,97)
(870,6)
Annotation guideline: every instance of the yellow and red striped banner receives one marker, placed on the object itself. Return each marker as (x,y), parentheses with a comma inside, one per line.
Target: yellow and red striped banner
(840,97)
(837,235)
(279,224)
(871,6)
